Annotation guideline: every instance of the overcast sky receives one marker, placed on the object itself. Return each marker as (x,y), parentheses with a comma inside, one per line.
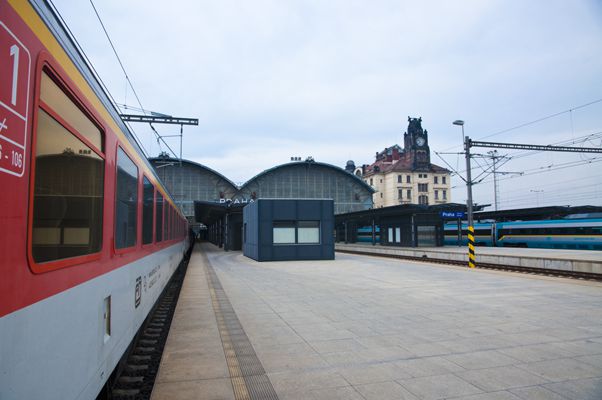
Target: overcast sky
(336,80)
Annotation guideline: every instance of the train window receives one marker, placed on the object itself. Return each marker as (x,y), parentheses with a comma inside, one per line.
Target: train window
(170,228)
(159,218)
(126,201)
(68,193)
(166,221)
(52,95)
(147,211)
(68,179)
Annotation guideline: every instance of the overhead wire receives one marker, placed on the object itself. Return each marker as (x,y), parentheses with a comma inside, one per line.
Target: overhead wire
(522,125)
(117,55)
(159,138)
(94,72)
(570,110)
(521,154)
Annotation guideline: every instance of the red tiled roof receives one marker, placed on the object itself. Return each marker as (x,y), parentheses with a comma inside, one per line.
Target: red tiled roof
(402,165)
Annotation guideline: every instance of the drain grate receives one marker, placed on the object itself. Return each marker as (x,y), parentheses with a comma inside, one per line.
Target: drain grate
(248,377)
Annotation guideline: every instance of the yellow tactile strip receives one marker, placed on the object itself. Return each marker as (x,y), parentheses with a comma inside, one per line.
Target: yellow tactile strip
(248,377)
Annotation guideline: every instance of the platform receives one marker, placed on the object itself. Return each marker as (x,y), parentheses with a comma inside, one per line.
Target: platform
(589,261)
(363,327)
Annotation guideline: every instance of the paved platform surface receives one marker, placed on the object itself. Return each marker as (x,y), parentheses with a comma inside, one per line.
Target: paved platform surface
(362,327)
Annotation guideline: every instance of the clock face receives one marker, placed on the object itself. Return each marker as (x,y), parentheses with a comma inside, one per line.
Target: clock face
(420,141)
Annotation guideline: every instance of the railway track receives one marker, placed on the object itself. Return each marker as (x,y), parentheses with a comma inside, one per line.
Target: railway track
(134,377)
(500,267)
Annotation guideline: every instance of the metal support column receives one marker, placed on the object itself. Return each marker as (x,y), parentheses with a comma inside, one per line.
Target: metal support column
(471,252)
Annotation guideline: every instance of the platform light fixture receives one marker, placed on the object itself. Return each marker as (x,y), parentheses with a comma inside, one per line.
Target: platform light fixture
(460,123)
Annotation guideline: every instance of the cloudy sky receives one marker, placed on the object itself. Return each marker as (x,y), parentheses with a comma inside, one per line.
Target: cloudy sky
(337,79)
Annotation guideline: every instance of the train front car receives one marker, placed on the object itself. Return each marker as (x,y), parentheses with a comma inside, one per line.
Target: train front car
(90,237)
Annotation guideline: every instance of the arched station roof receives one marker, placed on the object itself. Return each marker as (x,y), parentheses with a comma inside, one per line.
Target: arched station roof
(304,179)
(333,168)
(311,179)
(192,181)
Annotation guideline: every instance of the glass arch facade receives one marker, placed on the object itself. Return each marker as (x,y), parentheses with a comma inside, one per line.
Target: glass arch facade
(298,180)
(311,180)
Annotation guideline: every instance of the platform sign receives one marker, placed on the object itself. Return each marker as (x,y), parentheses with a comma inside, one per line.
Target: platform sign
(15,65)
(453,214)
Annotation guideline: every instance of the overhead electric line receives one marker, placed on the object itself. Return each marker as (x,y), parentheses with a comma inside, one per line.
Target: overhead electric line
(570,110)
(117,55)
(86,59)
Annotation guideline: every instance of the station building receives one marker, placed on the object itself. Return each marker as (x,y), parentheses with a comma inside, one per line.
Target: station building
(209,198)
(289,229)
(406,175)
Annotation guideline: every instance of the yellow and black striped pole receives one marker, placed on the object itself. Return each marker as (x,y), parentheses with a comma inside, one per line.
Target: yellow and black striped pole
(472,261)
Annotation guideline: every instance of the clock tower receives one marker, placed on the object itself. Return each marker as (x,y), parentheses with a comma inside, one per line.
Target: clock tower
(416,147)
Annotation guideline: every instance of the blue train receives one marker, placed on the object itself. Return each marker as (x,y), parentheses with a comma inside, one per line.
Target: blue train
(569,233)
(364,234)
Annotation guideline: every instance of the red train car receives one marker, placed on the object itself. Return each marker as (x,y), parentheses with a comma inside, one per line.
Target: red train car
(90,236)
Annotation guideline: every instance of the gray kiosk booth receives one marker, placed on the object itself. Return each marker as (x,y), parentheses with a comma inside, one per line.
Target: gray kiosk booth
(289,229)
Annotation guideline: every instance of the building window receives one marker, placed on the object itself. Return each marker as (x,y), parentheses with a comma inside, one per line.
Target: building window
(284,232)
(301,232)
(381,181)
(423,187)
(423,199)
(381,195)
(436,179)
(409,194)
(126,201)
(398,178)
(443,180)
(147,211)
(371,182)
(408,179)
(436,195)
(445,195)
(68,188)
(308,232)
(400,194)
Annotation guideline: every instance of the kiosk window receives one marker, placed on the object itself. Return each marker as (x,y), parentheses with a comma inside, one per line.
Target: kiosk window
(308,232)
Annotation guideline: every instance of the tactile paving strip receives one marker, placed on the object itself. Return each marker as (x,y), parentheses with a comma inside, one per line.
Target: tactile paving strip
(248,377)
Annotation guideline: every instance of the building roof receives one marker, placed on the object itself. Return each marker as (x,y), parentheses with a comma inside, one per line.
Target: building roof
(333,168)
(174,161)
(398,210)
(401,165)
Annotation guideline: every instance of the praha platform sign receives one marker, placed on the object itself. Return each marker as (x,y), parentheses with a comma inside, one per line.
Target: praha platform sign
(15,64)
(452,214)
